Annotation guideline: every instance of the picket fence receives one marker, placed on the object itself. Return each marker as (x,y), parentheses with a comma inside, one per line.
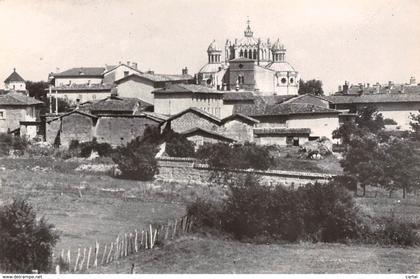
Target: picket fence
(124,245)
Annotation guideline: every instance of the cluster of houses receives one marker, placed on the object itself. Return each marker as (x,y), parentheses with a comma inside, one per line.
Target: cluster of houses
(250,96)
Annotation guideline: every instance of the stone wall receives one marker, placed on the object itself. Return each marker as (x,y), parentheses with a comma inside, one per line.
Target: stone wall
(76,127)
(191,120)
(119,130)
(189,171)
(238,130)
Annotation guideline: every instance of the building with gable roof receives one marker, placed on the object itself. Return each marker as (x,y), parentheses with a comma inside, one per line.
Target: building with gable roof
(14,82)
(250,64)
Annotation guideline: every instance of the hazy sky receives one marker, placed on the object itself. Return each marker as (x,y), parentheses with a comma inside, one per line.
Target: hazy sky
(359,41)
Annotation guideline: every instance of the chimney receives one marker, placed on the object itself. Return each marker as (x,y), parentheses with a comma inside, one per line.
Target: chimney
(340,89)
(119,62)
(390,84)
(412,81)
(151,72)
(402,88)
(77,103)
(185,71)
(128,63)
(346,88)
(368,85)
(134,65)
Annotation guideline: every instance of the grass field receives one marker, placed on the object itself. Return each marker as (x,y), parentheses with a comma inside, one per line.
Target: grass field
(197,254)
(52,187)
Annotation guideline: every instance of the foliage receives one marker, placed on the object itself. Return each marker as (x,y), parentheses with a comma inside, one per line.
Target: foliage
(369,119)
(312,86)
(136,160)
(415,125)
(86,148)
(236,156)
(37,89)
(390,121)
(10,142)
(25,242)
(394,232)
(63,105)
(318,212)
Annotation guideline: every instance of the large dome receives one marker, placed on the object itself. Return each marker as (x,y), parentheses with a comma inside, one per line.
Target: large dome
(213,47)
(247,41)
(282,66)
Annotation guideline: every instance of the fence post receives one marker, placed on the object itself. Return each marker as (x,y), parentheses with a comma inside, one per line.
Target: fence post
(103,255)
(174,231)
(135,241)
(83,259)
(167,230)
(69,258)
(88,258)
(57,269)
(77,259)
(117,246)
(151,236)
(132,269)
(109,254)
(145,240)
(142,238)
(95,263)
(125,245)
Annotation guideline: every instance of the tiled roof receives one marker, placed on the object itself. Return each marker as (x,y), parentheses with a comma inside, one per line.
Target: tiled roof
(196,111)
(375,98)
(156,115)
(61,115)
(293,109)
(282,131)
(118,104)
(14,77)
(155,77)
(381,89)
(241,116)
(260,104)
(238,96)
(242,59)
(18,99)
(202,131)
(82,71)
(186,88)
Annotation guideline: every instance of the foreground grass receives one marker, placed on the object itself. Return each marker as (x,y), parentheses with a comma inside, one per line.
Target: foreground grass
(196,254)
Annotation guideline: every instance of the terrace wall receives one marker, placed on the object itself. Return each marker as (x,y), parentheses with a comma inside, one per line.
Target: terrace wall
(188,170)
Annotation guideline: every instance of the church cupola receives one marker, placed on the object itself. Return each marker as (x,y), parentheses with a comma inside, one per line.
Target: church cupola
(248,32)
(214,53)
(278,51)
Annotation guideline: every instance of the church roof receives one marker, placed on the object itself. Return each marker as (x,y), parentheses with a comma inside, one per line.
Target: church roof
(280,67)
(18,99)
(82,71)
(14,77)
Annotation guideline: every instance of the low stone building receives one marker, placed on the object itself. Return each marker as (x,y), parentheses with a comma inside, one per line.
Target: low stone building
(200,136)
(19,114)
(238,127)
(192,118)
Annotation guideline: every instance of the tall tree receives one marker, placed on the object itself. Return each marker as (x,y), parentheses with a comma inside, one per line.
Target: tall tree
(37,89)
(312,86)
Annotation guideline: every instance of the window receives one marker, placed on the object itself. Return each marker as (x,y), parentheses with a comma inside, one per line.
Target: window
(291,80)
(241,66)
(126,73)
(283,80)
(2,114)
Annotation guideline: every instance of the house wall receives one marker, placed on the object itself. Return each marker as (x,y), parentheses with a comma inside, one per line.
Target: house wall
(278,139)
(12,115)
(118,73)
(191,120)
(238,130)
(15,85)
(136,89)
(247,71)
(272,121)
(200,140)
(51,129)
(291,87)
(76,127)
(121,130)
(400,112)
(82,95)
(321,125)
(174,103)
(264,80)
(60,81)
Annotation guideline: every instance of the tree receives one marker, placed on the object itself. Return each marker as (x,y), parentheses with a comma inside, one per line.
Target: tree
(37,89)
(63,105)
(312,86)
(25,243)
(370,119)
(415,125)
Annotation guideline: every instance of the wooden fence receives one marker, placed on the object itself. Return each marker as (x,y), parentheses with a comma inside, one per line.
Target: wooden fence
(126,244)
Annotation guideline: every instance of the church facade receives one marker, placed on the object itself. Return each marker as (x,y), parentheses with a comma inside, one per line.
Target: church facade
(251,64)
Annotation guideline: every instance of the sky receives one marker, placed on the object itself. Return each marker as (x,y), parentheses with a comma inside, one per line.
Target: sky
(334,41)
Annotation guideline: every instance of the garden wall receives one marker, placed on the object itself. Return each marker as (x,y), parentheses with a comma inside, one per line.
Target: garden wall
(188,170)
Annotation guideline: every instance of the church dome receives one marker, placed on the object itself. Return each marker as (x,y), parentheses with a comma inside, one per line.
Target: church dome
(211,68)
(282,66)
(277,46)
(213,47)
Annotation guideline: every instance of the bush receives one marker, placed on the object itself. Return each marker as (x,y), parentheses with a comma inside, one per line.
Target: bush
(25,242)
(394,232)
(86,148)
(315,212)
(236,156)
(177,145)
(136,160)
(206,214)
(390,121)
(10,142)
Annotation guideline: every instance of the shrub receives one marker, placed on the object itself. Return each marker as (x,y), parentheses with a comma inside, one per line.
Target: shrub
(206,214)
(136,160)
(86,148)
(318,212)
(389,121)
(236,156)
(10,142)
(177,145)
(25,242)
(394,232)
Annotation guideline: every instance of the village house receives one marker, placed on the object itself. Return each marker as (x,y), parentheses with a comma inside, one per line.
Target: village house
(176,98)
(14,82)
(393,101)
(19,114)
(141,85)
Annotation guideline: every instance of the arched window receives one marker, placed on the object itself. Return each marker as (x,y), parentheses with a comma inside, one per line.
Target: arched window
(246,53)
(241,53)
(255,54)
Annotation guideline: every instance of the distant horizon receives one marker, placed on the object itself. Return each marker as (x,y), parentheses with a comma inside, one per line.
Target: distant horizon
(356,41)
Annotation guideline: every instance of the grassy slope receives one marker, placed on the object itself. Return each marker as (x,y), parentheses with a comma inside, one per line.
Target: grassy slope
(203,255)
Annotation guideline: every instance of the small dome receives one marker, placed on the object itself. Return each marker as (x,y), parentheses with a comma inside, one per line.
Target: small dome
(211,68)
(280,67)
(277,46)
(213,47)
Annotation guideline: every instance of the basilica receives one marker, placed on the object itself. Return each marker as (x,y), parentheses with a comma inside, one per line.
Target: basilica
(249,64)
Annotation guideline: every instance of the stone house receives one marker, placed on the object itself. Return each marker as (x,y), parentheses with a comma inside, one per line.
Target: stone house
(141,85)
(19,114)
(200,136)
(191,118)
(176,98)
(238,127)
